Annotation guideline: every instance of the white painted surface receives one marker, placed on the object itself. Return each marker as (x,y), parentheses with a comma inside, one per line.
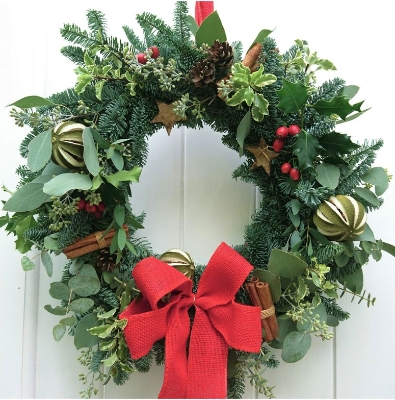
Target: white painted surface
(189,196)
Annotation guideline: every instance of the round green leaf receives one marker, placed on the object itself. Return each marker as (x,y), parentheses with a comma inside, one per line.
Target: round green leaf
(286,264)
(61,184)
(84,285)
(328,175)
(378,177)
(367,195)
(285,326)
(81,306)
(60,291)
(273,281)
(27,263)
(295,346)
(82,336)
(56,311)
(58,332)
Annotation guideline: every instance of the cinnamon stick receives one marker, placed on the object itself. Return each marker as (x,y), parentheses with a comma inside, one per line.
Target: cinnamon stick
(252,291)
(265,297)
(90,243)
(92,238)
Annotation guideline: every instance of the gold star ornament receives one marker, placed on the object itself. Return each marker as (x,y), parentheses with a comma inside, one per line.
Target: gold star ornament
(263,156)
(166,116)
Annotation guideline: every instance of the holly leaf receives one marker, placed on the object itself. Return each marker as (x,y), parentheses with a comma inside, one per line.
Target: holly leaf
(339,105)
(292,96)
(306,148)
(337,143)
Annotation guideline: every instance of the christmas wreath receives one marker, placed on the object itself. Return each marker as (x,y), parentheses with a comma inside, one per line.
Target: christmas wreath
(304,248)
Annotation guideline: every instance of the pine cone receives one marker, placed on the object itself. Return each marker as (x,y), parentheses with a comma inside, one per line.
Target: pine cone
(202,73)
(221,54)
(105,260)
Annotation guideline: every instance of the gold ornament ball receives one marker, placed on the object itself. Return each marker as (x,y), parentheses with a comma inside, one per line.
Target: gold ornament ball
(180,260)
(67,145)
(340,218)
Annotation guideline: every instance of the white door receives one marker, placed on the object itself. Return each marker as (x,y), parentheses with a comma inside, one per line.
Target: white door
(190,198)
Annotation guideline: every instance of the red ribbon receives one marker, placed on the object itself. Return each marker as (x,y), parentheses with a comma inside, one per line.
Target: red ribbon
(219,322)
(202,10)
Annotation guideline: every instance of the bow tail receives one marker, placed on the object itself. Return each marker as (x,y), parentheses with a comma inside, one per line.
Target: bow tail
(176,372)
(207,361)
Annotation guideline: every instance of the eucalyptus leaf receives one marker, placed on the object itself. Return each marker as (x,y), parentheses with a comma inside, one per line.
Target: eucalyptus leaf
(327,175)
(58,310)
(367,235)
(47,262)
(60,291)
(367,195)
(27,198)
(285,326)
(68,321)
(61,184)
(31,102)
(84,285)
(90,153)
(295,346)
(272,279)
(39,150)
(58,332)
(27,264)
(286,264)
(81,306)
(377,176)
(117,160)
(82,336)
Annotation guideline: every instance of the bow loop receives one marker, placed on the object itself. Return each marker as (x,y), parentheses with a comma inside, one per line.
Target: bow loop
(155,279)
(219,322)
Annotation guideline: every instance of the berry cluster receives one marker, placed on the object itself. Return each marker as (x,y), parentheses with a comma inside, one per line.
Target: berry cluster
(96,209)
(281,133)
(294,173)
(153,52)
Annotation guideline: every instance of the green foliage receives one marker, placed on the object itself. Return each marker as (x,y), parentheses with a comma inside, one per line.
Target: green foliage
(116,97)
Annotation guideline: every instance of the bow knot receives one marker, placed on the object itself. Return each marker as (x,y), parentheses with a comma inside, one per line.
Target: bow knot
(219,322)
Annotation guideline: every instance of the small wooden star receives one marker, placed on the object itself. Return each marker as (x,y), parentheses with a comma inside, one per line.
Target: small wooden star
(263,156)
(166,116)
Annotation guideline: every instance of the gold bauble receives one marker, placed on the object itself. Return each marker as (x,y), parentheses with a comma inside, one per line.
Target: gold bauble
(180,260)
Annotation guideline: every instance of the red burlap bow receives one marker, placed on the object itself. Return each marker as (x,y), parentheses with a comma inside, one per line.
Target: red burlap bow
(219,322)
(202,10)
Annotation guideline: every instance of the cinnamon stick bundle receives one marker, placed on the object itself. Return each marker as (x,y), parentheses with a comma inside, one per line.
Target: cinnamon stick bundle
(260,295)
(92,242)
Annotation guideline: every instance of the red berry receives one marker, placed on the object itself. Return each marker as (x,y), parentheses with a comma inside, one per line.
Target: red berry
(101,207)
(141,58)
(286,167)
(293,130)
(81,204)
(282,132)
(294,174)
(97,214)
(278,144)
(154,51)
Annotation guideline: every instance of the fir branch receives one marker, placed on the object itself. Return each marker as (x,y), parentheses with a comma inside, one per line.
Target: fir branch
(137,45)
(73,33)
(180,18)
(97,23)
